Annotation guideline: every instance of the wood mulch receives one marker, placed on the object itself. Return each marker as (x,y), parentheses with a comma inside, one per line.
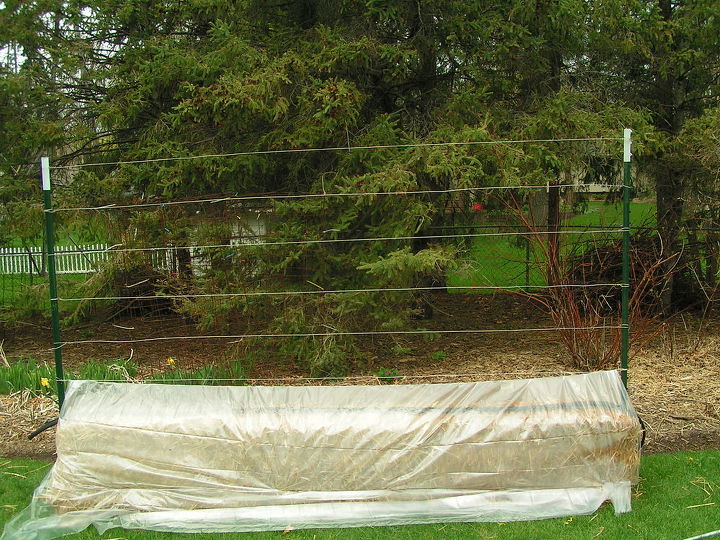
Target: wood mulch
(674,381)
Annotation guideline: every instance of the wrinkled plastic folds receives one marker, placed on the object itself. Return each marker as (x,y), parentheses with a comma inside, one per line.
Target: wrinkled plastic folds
(254,458)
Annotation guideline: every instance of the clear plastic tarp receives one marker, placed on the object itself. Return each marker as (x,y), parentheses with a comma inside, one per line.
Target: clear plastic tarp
(255,458)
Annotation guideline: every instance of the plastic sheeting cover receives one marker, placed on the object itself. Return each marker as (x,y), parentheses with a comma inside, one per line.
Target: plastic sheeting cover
(212,459)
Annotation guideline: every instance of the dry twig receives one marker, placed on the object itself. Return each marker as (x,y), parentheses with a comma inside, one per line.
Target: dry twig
(3,358)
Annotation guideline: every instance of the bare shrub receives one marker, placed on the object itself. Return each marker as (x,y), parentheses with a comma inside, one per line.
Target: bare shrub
(583,292)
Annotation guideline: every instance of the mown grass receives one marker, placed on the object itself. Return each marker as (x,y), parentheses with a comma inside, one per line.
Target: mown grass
(609,214)
(504,261)
(14,288)
(678,497)
(23,297)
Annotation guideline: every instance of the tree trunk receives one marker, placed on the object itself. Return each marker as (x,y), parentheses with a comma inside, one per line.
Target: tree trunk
(668,118)
(668,186)
(184,263)
(711,260)
(538,209)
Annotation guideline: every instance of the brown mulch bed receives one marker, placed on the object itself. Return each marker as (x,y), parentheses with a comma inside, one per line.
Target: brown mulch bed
(674,381)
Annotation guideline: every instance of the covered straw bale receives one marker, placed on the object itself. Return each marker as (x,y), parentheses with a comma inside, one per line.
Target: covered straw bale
(197,458)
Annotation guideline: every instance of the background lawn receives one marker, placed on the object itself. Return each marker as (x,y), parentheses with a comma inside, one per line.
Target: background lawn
(678,497)
(502,261)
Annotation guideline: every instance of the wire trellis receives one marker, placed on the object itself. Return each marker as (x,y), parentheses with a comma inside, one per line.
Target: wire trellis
(116,249)
(280,197)
(470,375)
(339,148)
(237,337)
(348,291)
(269,242)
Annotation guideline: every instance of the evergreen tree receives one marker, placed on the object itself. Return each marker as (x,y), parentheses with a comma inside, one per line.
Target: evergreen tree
(127,81)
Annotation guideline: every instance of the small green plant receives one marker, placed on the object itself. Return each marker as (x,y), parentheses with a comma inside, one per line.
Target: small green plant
(231,374)
(236,372)
(400,350)
(204,375)
(430,337)
(86,333)
(39,378)
(388,376)
(27,374)
(98,371)
(437,356)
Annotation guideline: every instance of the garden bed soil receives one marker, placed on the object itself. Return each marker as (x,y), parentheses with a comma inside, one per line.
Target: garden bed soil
(674,380)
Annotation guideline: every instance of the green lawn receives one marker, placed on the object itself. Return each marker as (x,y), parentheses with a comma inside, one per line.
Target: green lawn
(13,286)
(21,290)
(642,214)
(678,497)
(502,261)
(24,295)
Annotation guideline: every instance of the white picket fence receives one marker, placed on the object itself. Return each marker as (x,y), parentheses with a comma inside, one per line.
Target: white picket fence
(84,259)
(68,259)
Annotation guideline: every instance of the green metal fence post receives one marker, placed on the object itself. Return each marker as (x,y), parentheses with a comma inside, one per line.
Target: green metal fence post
(52,275)
(625,288)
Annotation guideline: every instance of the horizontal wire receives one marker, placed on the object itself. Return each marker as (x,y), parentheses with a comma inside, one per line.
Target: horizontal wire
(340,291)
(348,378)
(335,148)
(112,249)
(537,230)
(354,377)
(238,337)
(314,195)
